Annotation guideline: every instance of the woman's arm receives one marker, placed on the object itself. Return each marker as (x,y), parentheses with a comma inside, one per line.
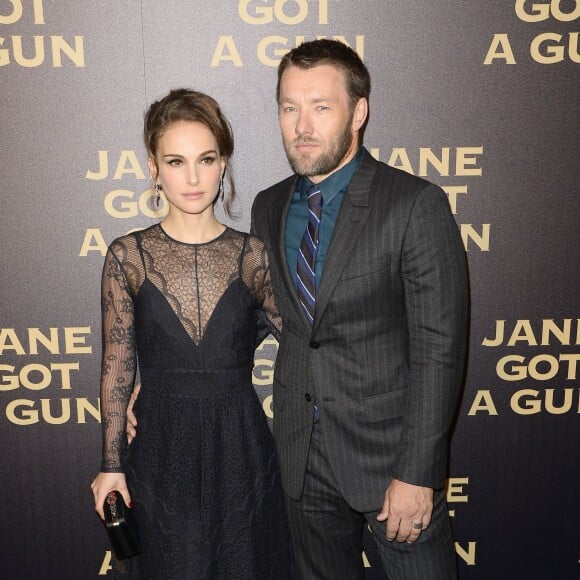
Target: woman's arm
(117,373)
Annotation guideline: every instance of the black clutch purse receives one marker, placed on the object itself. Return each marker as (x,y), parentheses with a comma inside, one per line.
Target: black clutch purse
(121,526)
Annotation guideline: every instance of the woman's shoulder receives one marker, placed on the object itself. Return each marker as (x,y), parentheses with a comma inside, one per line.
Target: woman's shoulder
(243,238)
(253,250)
(127,244)
(251,242)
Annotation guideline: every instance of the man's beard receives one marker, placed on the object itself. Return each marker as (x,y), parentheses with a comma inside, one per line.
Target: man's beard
(326,162)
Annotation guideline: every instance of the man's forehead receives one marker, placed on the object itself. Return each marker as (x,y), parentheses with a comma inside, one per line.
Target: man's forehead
(327,78)
(323,69)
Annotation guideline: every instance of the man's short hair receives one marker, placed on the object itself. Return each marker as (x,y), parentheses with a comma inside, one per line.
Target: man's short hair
(333,53)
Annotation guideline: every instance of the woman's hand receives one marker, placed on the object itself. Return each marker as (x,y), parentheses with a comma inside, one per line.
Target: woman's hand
(131,427)
(103,484)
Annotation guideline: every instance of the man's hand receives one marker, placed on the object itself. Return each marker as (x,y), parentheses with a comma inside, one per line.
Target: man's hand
(131,419)
(407,509)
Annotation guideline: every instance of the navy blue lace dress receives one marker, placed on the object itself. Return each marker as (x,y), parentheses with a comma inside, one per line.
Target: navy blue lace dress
(203,470)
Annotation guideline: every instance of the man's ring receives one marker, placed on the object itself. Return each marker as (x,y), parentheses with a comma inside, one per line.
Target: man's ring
(417,526)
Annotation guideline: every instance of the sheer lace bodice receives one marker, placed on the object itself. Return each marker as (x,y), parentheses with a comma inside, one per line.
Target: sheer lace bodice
(192,279)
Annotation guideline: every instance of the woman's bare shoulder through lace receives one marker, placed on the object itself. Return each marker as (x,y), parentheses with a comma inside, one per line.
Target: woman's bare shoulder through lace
(256,276)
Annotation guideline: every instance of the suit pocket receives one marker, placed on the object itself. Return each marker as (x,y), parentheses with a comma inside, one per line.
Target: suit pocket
(385,406)
(357,268)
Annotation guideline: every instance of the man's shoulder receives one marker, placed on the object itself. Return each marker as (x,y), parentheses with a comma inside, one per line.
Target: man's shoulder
(281,188)
(274,195)
(393,175)
(269,202)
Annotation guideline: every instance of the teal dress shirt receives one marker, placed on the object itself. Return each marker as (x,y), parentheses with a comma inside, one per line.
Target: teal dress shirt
(332,189)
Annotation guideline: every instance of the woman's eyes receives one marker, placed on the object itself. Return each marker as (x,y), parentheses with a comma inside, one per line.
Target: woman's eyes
(209,160)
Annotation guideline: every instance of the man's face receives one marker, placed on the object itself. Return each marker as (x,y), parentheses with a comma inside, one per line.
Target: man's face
(316,120)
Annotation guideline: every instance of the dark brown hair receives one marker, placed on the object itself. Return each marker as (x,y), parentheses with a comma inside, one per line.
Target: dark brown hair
(333,53)
(190,105)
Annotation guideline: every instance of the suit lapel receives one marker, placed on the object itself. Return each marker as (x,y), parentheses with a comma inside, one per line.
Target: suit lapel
(279,217)
(351,218)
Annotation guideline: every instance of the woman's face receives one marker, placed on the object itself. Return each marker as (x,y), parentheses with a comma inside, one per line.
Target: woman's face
(189,167)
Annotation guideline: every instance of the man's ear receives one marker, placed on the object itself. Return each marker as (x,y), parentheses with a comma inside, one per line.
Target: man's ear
(361,111)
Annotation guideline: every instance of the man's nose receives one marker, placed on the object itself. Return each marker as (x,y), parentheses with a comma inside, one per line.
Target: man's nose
(303,124)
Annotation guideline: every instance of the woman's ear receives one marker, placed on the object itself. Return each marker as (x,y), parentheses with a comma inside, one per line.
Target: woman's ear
(152,168)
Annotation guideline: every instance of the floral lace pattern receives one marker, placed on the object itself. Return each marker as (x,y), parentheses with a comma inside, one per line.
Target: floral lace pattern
(192,278)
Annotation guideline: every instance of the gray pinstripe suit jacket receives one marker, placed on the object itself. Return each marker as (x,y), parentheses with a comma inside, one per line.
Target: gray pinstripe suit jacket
(384,357)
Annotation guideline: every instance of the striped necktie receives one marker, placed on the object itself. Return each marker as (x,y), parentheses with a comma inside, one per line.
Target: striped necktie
(305,265)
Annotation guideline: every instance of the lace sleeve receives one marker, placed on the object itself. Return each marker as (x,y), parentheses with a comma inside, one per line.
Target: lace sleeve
(258,279)
(119,357)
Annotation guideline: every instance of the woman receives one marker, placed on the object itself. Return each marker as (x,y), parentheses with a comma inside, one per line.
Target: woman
(182,297)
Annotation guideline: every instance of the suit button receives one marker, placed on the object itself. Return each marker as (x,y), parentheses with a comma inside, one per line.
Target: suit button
(314,344)
(308,397)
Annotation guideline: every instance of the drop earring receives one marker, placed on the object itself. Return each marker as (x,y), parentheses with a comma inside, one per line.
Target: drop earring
(157,195)
(221,190)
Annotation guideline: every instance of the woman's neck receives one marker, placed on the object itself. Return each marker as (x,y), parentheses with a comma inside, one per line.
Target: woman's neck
(193,229)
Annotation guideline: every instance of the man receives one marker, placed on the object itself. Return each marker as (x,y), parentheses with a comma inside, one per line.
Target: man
(369,275)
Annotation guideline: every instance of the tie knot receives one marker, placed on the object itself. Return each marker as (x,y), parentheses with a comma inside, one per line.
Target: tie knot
(314,197)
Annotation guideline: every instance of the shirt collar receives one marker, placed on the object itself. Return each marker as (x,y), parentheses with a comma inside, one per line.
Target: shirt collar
(336,182)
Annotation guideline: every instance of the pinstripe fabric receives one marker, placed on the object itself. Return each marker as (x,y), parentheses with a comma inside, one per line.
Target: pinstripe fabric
(327,532)
(383,359)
